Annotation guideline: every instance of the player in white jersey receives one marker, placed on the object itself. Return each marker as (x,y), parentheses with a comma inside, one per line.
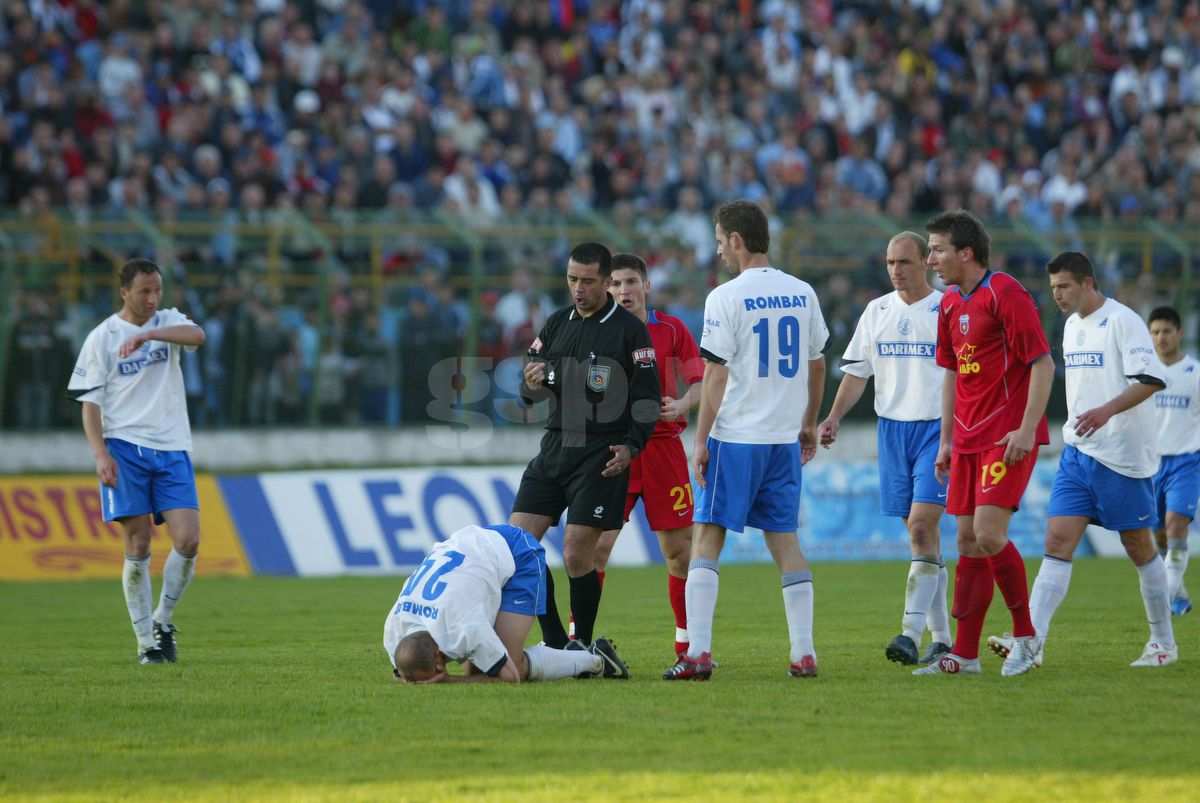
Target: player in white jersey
(895,341)
(135,418)
(1106,471)
(472,600)
(1177,484)
(763,341)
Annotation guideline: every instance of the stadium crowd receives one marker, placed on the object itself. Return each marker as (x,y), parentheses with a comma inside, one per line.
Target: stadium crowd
(1053,115)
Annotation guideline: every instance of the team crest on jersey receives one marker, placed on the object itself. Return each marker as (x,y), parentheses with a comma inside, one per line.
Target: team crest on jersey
(598,377)
(1079,338)
(906,326)
(643,357)
(964,323)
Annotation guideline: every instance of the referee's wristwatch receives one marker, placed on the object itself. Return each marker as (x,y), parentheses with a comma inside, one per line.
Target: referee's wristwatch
(633,450)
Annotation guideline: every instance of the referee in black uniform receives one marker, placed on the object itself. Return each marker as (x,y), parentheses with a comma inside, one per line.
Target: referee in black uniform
(595,362)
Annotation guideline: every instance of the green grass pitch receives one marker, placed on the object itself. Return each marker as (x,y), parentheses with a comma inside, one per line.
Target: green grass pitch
(283,692)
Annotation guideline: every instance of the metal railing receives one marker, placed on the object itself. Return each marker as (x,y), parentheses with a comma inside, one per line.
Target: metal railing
(294,262)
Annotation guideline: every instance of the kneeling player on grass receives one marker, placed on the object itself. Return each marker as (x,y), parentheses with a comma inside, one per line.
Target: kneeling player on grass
(1106,472)
(659,474)
(473,600)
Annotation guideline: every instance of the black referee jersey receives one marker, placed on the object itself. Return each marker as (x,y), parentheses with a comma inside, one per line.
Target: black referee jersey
(602,375)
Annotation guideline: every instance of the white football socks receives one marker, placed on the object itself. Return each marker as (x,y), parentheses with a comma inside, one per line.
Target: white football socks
(1152,576)
(701,595)
(135,579)
(798,605)
(1049,590)
(1177,561)
(918,595)
(547,663)
(938,620)
(178,571)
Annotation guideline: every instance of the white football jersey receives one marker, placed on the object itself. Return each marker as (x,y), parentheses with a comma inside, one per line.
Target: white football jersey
(766,326)
(141,397)
(897,344)
(1178,407)
(1103,354)
(455,596)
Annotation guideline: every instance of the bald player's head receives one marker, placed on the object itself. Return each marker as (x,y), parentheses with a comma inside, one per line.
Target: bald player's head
(416,657)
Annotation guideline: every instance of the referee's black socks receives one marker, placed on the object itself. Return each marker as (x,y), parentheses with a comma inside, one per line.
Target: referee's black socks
(553,633)
(585,604)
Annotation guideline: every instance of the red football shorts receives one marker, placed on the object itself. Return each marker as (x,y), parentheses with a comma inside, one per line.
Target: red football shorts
(659,475)
(984,479)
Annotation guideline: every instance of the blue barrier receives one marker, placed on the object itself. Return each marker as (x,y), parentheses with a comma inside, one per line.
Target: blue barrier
(383,521)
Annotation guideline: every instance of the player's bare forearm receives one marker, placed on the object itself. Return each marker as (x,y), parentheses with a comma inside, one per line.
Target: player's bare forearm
(1091,420)
(949,385)
(185,334)
(1132,396)
(849,391)
(712,391)
(93,428)
(816,390)
(1041,379)
(691,398)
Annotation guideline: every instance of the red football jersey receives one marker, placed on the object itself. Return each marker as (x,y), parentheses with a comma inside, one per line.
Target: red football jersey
(678,358)
(989,338)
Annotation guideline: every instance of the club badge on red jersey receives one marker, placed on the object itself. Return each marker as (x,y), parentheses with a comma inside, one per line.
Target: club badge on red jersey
(964,323)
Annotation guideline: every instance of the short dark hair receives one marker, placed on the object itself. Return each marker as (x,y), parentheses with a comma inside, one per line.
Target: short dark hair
(133,267)
(627,261)
(416,654)
(593,254)
(747,219)
(1074,263)
(1168,314)
(965,231)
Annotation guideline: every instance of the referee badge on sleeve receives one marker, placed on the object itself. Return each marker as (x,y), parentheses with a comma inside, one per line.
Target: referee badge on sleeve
(598,377)
(643,356)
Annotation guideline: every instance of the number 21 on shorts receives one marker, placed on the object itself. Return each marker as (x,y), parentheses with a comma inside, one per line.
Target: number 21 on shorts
(678,494)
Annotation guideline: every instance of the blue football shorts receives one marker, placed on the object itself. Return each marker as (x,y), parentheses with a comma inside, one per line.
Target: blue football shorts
(148,481)
(907,451)
(1084,486)
(1177,486)
(525,591)
(751,485)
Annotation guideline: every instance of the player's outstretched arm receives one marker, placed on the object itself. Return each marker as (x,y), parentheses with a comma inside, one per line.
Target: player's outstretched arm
(185,334)
(849,391)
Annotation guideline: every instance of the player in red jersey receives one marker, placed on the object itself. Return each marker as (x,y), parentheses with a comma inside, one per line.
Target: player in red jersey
(998,377)
(659,475)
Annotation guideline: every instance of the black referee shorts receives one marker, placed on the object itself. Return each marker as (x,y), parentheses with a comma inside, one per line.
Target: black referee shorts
(570,478)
